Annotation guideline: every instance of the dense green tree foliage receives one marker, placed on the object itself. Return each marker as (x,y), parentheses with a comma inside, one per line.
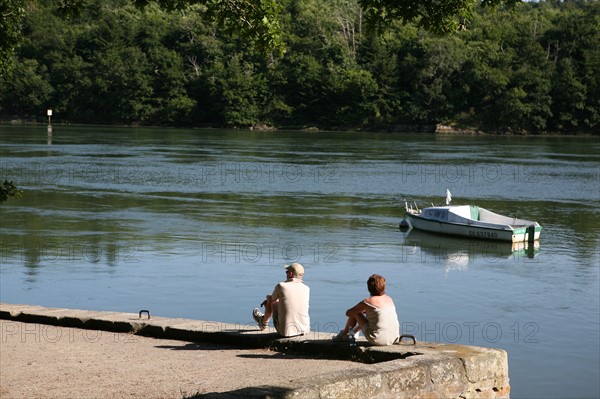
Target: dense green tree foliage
(532,69)
(256,21)
(8,189)
(11,14)
(432,15)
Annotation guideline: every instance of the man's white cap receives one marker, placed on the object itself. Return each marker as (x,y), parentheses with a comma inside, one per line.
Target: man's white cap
(296,268)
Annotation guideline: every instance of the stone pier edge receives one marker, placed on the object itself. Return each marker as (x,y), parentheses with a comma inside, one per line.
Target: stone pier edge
(423,370)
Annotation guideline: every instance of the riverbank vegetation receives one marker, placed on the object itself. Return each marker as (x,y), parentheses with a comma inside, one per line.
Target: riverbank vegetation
(532,69)
(8,189)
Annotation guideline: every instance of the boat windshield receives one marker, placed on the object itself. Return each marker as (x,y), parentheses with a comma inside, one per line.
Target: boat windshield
(439,214)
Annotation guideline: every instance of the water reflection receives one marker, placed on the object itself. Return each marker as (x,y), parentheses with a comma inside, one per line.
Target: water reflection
(36,253)
(457,253)
(49,136)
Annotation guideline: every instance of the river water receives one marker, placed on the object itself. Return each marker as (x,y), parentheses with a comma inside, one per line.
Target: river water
(199,223)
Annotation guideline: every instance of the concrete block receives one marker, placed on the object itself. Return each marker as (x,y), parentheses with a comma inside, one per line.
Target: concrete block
(424,370)
(411,378)
(488,364)
(350,385)
(446,369)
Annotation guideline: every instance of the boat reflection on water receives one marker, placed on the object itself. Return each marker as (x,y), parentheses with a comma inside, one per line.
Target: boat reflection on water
(456,253)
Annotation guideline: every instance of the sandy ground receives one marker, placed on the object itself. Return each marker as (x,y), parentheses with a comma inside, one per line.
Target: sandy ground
(42,361)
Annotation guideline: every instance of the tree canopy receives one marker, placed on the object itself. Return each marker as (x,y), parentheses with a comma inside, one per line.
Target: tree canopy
(11,15)
(257,21)
(432,15)
(532,69)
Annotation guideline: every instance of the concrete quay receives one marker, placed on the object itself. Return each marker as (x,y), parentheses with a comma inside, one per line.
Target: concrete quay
(406,370)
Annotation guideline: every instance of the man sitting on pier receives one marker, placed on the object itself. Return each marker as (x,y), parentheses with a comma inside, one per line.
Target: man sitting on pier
(288,304)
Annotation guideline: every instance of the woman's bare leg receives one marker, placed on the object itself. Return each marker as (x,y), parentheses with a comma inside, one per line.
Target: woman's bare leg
(355,323)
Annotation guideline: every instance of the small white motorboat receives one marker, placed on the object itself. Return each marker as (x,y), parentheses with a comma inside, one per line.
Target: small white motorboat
(472,221)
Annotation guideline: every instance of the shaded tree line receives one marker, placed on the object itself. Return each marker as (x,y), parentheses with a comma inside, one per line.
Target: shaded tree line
(533,69)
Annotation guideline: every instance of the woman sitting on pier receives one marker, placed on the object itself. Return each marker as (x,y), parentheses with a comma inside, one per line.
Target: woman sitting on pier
(375,316)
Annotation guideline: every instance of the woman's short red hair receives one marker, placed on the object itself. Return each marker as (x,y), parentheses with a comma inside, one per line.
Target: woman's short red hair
(376,285)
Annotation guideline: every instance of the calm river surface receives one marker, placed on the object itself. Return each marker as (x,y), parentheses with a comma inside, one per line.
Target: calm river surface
(198,224)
